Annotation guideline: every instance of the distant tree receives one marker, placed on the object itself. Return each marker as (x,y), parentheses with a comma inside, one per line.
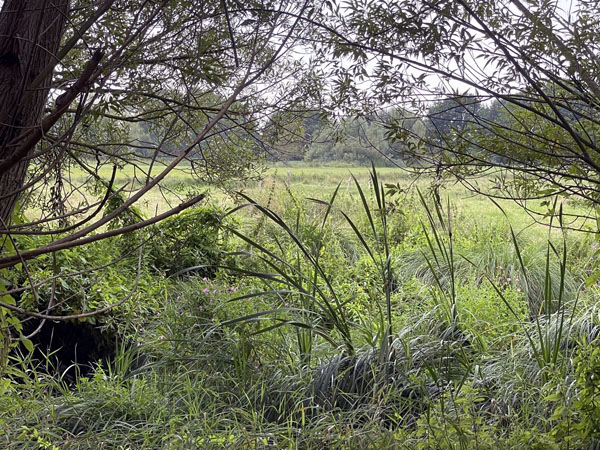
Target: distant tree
(362,140)
(449,117)
(286,135)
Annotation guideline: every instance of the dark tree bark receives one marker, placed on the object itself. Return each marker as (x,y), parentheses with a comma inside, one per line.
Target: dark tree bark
(30,35)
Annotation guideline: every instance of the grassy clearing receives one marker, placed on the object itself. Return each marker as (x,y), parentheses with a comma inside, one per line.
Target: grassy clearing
(327,325)
(313,182)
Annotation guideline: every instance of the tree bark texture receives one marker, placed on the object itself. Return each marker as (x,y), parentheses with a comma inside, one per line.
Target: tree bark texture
(30,35)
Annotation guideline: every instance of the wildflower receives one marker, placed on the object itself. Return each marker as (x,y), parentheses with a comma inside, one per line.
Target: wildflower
(204,279)
(212,319)
(508,279)
(178,297)
(206,290)
(157,314)
(200,308)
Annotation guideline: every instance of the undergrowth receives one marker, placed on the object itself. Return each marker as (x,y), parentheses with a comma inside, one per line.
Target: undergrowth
(312,324)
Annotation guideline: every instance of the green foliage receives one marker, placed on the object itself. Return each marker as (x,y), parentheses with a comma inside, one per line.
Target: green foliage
(576,414)
(193,240)
(190,320)
(455,419)
(487,255)
(488,317)
(300,279)
(301,263)
(128,217)
(587,369)
(90,280)
(9,321)
(364,141)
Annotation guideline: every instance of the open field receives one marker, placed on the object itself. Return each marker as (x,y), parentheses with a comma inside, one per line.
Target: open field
(311,182)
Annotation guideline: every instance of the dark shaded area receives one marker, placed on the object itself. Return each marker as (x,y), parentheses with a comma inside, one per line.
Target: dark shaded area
(71,348)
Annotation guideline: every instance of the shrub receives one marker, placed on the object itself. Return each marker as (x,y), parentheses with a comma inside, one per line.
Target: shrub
(576,413)
(195,239)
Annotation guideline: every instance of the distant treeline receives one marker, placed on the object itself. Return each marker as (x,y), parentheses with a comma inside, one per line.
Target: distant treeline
(393,137)
(387,138)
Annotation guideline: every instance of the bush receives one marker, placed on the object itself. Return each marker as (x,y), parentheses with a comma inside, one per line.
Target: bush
(576,413)
(194,238)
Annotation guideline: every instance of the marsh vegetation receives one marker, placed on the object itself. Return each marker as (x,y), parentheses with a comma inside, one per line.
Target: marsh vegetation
(320,308)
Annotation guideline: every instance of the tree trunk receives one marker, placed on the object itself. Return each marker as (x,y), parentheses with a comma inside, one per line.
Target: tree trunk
(30,35)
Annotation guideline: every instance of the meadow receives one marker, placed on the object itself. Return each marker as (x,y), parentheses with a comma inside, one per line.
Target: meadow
(306,182)
(321,308)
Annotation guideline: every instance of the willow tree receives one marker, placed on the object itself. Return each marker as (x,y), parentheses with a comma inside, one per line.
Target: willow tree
(145,85)
(30,35)
(534,68)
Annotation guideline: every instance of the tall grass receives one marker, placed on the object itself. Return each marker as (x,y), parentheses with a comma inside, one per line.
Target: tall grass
(525,269)
(302,274)
(312,286)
